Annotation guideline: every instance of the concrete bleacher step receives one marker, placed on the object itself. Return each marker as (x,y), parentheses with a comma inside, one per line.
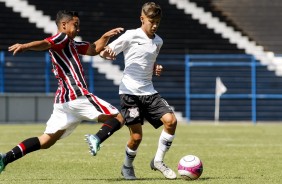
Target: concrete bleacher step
(100,17)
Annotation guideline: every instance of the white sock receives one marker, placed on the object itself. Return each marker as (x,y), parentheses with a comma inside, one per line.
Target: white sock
(165,142)
(129,156)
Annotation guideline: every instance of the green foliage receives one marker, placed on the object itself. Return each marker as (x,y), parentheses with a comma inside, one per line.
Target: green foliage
(231,153)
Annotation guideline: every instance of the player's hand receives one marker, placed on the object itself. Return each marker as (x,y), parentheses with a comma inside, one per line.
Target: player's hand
(17,48)
(158,70)
(113,32)
(108,54)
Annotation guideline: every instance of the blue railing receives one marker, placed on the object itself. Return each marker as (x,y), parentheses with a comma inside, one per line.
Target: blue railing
(190,64)
(47,73)
(26,61)
(192,61)
(179,87)
(2,64)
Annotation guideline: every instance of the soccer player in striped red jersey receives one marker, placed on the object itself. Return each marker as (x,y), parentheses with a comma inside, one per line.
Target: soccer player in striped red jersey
(73,102)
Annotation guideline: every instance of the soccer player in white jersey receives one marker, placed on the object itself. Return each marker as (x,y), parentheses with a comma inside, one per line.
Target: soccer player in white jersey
(139,99)
(73,102)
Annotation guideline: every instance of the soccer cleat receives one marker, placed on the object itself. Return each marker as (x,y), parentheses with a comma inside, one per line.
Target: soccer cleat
(128,173)
(2,165)
(160,166)
(94,144)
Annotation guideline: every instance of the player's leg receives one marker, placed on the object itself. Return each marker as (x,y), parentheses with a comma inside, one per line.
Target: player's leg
(105,113)
(165,141)
(48,140)
(109,126)
(166,136)
(158,113)
(132,113)
(27,146)
(131,150)
(23,148)
(111,123)
(61,123)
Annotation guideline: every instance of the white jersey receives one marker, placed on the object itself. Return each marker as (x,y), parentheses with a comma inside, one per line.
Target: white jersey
(140,53)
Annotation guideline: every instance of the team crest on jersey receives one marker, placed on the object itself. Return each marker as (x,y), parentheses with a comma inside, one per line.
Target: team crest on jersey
(133,112)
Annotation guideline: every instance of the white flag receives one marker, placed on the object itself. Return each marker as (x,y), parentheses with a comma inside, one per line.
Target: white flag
(219,88)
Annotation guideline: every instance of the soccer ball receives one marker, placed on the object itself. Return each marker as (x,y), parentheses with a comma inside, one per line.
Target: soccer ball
(190,167)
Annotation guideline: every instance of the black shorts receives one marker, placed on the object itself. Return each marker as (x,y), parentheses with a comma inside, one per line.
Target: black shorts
(151,107)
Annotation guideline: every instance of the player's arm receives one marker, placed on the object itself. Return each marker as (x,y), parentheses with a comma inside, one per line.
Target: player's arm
(100,44)
(117,46)
(108,54)
(35,45)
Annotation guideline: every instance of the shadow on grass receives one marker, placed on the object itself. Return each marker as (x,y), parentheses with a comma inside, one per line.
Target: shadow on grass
(121,179)
(139,179)
(151,179)
(143,179)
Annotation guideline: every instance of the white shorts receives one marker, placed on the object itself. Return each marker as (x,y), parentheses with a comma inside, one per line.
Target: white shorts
(67,116)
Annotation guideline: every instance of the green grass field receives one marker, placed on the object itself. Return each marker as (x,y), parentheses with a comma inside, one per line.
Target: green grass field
(231,153)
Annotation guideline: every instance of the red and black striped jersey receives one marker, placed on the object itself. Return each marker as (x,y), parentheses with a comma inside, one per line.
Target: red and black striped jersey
(67,67)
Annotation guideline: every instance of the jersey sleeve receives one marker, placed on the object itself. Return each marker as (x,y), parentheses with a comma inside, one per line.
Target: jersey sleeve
(121,43)
(82,47)
(58,41)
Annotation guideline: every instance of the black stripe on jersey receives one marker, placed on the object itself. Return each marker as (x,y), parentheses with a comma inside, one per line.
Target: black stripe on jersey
(74,63)
(66,96)
(57,99)
(68,74)
(60,38)
(59,95)
(73,84)
(95,105)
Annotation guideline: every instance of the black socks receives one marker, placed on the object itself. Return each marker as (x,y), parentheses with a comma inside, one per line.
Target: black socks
(107,129)
(25,147)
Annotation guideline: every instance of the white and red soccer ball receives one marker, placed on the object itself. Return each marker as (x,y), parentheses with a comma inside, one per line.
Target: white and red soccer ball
(190,167)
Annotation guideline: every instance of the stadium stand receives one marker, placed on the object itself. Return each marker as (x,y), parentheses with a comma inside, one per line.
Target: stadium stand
(15,29)
(210,6)
(20,77)
(180,32)
(258,19)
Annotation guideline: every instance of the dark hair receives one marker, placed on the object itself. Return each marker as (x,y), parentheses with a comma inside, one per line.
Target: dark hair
(65,14)
(152,10)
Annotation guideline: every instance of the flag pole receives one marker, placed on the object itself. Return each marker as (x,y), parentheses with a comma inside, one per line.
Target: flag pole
(219,90)
(216,111)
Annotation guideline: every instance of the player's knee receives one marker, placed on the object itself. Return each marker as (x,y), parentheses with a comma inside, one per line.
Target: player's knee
(169,121)
(47,144)
(171,125)
(136,140)
(46,141)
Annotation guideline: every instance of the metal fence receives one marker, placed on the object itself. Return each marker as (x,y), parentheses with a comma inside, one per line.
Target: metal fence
(32,72)
(243,74)
(188,82)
